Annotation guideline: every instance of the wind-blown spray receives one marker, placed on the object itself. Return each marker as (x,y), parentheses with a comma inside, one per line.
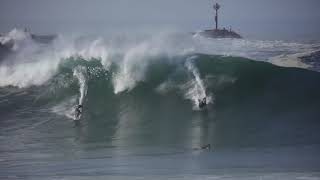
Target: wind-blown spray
(197,89)
(80,73)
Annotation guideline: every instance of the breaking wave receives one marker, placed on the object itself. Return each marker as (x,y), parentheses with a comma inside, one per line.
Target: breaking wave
(162,79)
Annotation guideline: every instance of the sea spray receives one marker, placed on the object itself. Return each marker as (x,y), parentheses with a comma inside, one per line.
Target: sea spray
(66,108)
(34,64)
(80,73)
(133,66)
(196,88)
(16,38)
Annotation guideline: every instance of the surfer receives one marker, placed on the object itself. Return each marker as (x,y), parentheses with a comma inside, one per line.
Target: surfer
(202,103)
(206,147)
(78,111)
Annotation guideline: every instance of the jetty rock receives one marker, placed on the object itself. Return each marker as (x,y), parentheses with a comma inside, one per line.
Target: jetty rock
(219,33)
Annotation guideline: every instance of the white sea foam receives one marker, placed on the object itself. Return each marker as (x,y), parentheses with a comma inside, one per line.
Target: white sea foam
(132,68)
(35,64)
(196,89)
(80,73)
(27,74)
(16,38)
(291,60)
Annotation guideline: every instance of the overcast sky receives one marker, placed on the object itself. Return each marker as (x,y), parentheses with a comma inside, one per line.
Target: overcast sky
(253,18)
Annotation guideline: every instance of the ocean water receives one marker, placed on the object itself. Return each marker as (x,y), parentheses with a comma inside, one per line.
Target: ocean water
(141,118)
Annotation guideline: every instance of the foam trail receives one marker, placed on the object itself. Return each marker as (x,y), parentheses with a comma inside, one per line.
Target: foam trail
(197,89)
(80,73)
(64,108)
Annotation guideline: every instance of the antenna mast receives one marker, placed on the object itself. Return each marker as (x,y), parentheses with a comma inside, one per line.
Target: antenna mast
(216,7)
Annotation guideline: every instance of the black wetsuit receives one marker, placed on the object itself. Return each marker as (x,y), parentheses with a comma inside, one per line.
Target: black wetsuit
(78,111)
(202,103)
(208,146)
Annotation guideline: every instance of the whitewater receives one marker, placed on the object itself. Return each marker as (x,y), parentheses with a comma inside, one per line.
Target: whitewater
(141,117)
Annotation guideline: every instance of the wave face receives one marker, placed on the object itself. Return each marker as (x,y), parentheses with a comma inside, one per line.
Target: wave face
(250,103)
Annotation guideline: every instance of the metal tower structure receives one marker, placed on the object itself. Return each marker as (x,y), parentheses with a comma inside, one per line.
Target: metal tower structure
(216,7)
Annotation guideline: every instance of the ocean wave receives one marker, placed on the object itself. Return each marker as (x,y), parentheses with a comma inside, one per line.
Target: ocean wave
(245,99)
(34,63)
(190,78)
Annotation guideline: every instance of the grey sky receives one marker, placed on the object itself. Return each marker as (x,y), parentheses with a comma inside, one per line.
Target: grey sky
(253,18)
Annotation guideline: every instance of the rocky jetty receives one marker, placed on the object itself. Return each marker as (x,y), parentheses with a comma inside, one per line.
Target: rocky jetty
(219,33)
